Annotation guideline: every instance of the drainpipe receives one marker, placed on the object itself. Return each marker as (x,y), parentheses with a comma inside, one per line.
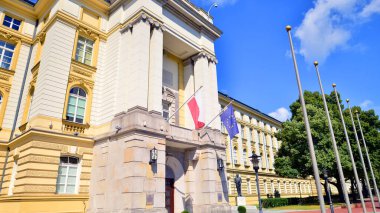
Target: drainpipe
(4,167)
(23,84)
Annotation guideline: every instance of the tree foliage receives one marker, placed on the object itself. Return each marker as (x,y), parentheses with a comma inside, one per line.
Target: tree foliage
(293,157)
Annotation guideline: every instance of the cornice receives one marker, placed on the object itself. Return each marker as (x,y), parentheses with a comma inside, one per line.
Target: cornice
(255,113)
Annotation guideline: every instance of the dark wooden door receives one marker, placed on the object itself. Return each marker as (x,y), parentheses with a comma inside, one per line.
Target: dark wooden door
(169,195)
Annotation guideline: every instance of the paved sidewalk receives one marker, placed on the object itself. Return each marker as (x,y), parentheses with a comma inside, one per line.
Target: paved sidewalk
(355,209)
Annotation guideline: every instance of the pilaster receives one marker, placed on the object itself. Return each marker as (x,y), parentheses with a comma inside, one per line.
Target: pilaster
(138,64)
(50,91)
(155,69)
(189,89)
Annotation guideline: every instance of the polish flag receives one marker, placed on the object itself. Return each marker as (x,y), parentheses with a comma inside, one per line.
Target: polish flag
(196,109)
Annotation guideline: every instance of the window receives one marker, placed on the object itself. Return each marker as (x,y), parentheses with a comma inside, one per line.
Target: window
(165,110)
(11,22)
(249,189)
(242,132)
(244,157)
(76,105)
(234,155)
(6,54)
(68,173)
(84,50)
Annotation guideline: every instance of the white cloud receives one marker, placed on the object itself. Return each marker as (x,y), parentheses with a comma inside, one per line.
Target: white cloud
(327,26)
(281,114)
(219,2)
(366,104)
(371,8)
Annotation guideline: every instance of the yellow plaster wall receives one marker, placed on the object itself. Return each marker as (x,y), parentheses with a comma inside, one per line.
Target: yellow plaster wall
(46,204)
(38,155)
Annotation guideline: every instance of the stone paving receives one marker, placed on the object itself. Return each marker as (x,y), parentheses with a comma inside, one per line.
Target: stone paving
(356,209)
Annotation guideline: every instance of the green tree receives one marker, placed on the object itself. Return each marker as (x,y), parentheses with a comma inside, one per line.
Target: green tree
(293,157)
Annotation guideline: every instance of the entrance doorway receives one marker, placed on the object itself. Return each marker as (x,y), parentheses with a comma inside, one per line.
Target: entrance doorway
(169,195)
(169,190)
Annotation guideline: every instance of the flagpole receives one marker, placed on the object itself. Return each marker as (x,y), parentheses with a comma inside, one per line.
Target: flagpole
(359,186)
(335,147)
(175,112)
(307,127)
(217,115)
(361,156)
(369,160)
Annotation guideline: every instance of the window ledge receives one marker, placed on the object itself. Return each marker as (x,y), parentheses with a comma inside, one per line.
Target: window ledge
(73,127)
(83,65)
(9,72)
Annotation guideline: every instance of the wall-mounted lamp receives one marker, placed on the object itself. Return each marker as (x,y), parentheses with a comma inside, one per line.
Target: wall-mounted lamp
(153,155)
(220,164)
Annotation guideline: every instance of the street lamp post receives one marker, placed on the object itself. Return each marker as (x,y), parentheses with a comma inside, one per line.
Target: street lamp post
(255,159)
(327,187)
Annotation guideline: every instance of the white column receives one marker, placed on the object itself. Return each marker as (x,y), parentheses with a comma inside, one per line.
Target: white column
(214,100)
(138,69)
(155,70)
(188,82)
(205,75)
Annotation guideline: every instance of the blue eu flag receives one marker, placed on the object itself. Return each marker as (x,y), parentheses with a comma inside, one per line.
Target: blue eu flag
(229,121)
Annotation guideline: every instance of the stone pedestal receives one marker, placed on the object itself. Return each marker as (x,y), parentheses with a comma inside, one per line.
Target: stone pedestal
(240,201)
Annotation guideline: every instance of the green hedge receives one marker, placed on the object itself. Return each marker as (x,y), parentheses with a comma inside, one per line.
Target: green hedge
(274,202)
(242,209)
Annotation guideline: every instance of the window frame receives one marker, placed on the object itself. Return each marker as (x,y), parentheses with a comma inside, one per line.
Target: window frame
(93,53)
(14,17)
(77,97)
(67,166)
(2,54)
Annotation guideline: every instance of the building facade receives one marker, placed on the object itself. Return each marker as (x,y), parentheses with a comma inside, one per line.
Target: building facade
(88,97)
(257,135)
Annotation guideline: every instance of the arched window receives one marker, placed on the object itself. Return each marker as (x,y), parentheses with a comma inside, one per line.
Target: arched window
(76,105)
(68,173)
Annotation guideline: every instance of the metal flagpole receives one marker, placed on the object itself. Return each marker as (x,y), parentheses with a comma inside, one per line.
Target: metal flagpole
(350,151)
(307,127)
(217,115)
(335,147)
(369,160)
(175,112)
(361,156)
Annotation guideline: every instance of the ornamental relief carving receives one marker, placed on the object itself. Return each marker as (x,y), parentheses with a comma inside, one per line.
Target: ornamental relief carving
(81,81)
(88,32)
(10,37)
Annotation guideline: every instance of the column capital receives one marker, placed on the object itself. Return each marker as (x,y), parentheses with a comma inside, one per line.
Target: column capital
(204,54)
(146,18)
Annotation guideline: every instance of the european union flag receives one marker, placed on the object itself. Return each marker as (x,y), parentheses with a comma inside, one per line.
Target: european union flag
(229,121)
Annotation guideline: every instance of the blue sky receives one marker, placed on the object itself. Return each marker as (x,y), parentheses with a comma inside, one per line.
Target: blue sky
(255,65)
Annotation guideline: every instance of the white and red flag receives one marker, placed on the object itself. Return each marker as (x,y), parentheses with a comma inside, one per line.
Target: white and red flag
(197,111)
